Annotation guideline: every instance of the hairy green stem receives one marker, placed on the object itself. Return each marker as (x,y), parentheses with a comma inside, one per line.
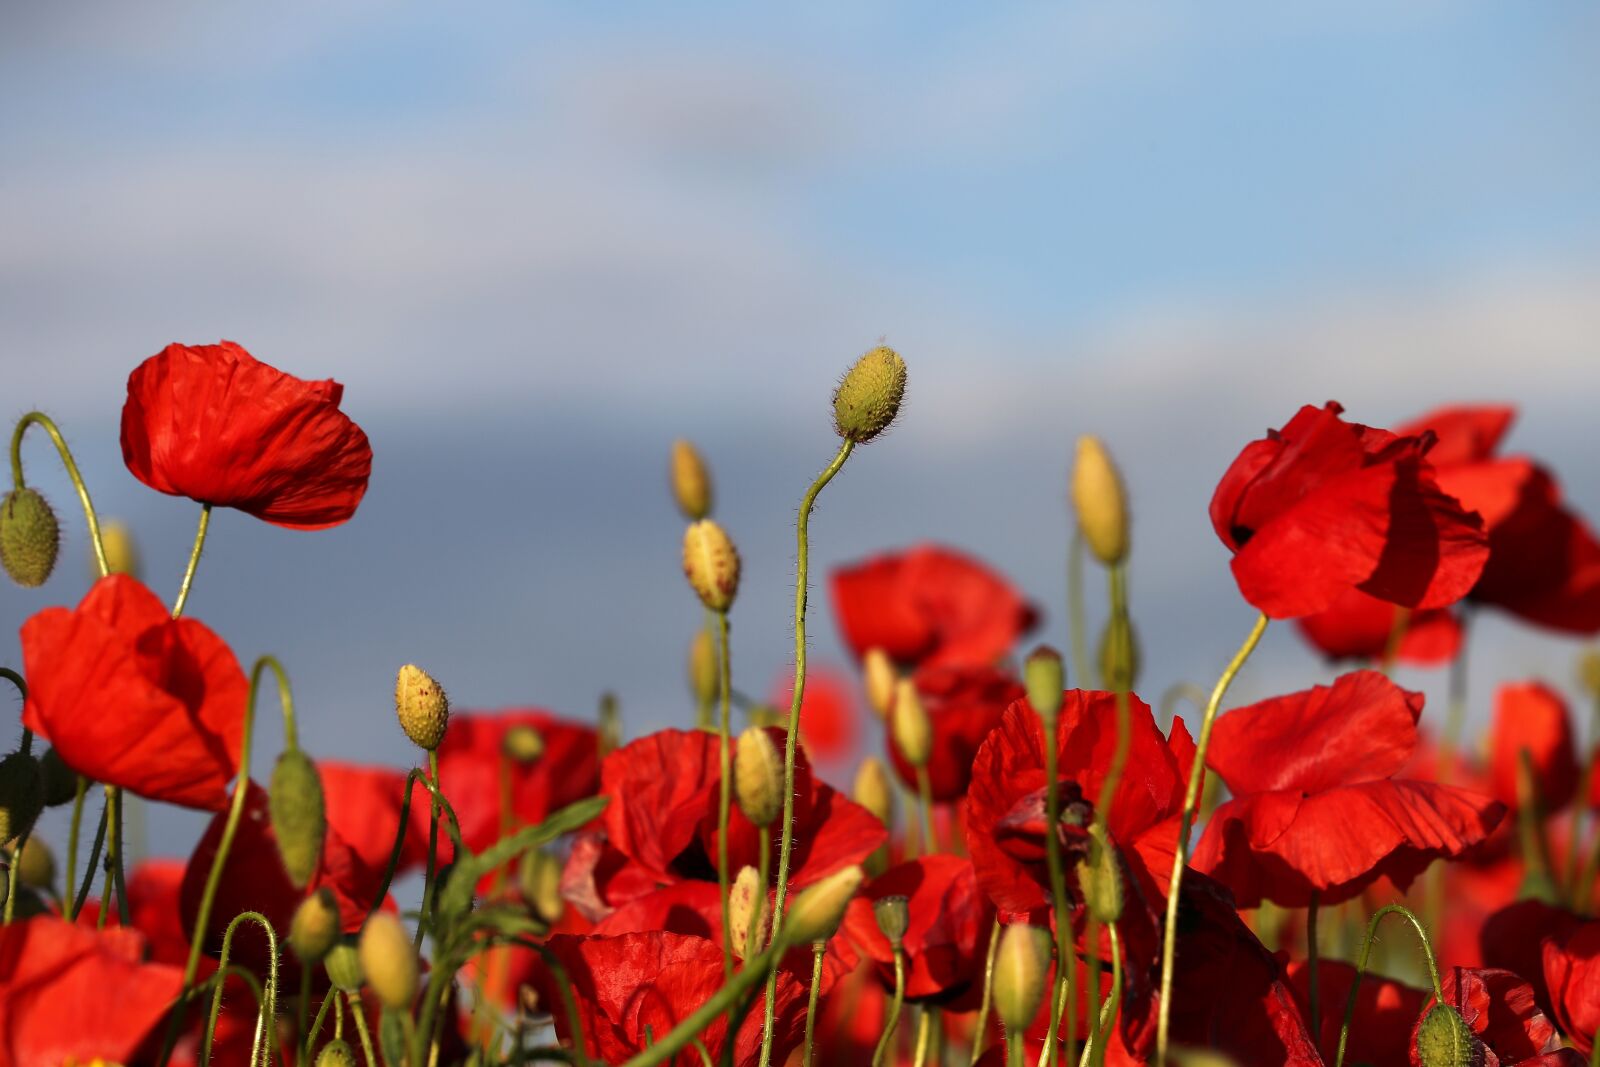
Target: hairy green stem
(433,849)
(892,1023)
(453,826)
(818,950)
(1094,1051)
(980,1033)
(39,418)
(362,1033)
(1060,996)
(14,872)
(73,832)
(94,860)
(261,1047)
(1361,968)
(194,561)
(724,793)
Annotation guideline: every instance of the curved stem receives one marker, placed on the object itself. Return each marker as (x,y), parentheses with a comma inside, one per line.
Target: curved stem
(1179,691)
(1361,968)
(13,874)
(892,1023)
(269,1006)
(41,419)
(980,1033)
(73,832)
(453,826)
(291,736)
(927,1027)
(1191,798)
(88,873)
(786,841)
(818,950)
(361,1028)
(724,795)
(433,850)
(194,561)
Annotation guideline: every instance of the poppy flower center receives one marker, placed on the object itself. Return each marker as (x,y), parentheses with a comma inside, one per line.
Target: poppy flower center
(1021,831)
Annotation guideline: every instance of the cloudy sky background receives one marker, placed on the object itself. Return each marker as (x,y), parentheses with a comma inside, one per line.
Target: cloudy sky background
(537,243)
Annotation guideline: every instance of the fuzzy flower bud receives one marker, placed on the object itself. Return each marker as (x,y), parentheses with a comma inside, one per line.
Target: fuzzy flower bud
(315,928)
(894,918)
(909,725)
(122,552)
(880,677)
(748,912)
(30,537)
(873,791)
(539,883)
(1100,878)
(21,795)
(1102,505)
(868,398)
(711,564)
(522,743)
(299,818)
(691,481)
(1445,1040)
(819,908)
(422,706)
(1019,966)
(758,776)
(1045,678)
(343,964)
(704,679)
(36,866)
(389,960)
(336,1053)
(60,781)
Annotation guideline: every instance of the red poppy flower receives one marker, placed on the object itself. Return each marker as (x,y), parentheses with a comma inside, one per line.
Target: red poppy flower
(214,424)
(68,992)
(1359,627)
(963,705)
(363,807)
(929,606)
(828,713)
(1314,807)
(1507,1026)
(1532,717)
(1323,506)
(153,888)
(948,937)
(1386,1011)
(132,697)
(1572,977)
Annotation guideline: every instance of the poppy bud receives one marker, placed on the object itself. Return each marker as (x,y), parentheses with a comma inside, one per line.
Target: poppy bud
(30,537)
(819,908)
(880,680)
(315,928)
(522,743)
(336,1053)
(389,961)
(1589,672)
(908,723)
(765,715)
(21,795)
(894,917)
(343,964)
(747,908)
(711,564)
(1045,678)
(1445,1040)
(539,882)
(873,791)
(868,398)
(36,867)
(704,680)
(1019,966)
(1102,505)
(122,552)
(299,821)
(691,481)
(1119,670)
(60,782)
(758,776)
(1200,1057)
(1100,878)
(423,708)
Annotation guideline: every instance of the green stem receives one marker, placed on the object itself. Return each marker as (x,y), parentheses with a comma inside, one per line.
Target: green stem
(194,561)
(362,1033)
(113,882)
(304,1008)
(1361,968)
(818,950)
(1175,693)
(94,861)
(925,805)
(309,1038)
(93,521)
(720,1002)
(1077,618)
(1191,798)
(927,1031)
(433,849)
(453,826)
(1060,996)
(269,1007)
(13,874)
(1014,1049)
(786,841)
(980,1034)
(1313,978)
(724,795)
(753,942)
(73,833)
(1094,1052)
(892,1023)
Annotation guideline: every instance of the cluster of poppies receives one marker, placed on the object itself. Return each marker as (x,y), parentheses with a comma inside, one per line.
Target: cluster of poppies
(1033,874)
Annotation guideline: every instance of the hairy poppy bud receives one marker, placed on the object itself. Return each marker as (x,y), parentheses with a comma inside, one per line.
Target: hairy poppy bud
(908,723)
(60,782)
(758,776)
(881,677)
(1102,505)
(30,537)
(1119,668)
(423,708)
(894,917)
(748,912)
(1445,1040)
(539,883)
(1045,678)
(122,552)
(299,820)
(389,961)
(691,481)
(711,564)
(36,866)
(868,398)
(873,791)
(1019,966)
(1100,878)
(705,681)
(21,795)
(819,908)
(315,928)
(522,743)
(343,964)
(336,1053)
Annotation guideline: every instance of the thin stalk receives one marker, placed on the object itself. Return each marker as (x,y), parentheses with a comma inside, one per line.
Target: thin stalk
(927,1028)
(892,1023)
(925,805)
(1014,1049)
(1108,1017)
(309,1040)
(980,1035)
(433,851)
(113,882)
(194,561)
(724,794)
(752,942)
(304,1008)
(1060,996)
(702,708)
(90,518)
(13,875)
(453,826)
(1397,634)
(268,1010)
(818,950)
(73,832)
(1361,968)
(1077,618)
(1456,708)
(361,1028)
(88,873)
(1312,948)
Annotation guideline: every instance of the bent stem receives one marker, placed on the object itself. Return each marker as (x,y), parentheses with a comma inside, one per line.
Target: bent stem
(41,419)
(194,561)
(94,860)
(1191,798)
(786,840)
(269,999)
(724,796)
(818,948)
(1361,968)
(452,826)
(892,1023)
(980,1034)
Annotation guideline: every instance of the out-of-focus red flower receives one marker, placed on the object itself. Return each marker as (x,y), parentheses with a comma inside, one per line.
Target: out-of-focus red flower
(1359,627)
(1386,1011)
(363,807)
(1507,1026)
(929,606)
(828,713)
(213,423)
(1314,806)
(153,909)
(636,988)
(948,937)
(131,697)
(963,705)
(1572,977)
(68,992)
(1533,717)
(1323,506)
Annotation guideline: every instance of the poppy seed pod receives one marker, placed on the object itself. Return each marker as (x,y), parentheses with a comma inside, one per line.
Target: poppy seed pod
(522,743)
(880,677)
(539,883)
(21,795)
(908,723)
(747,908)
(1100,501)
(299,818)
(704,680)
(711,564)
(1100,878)
(422,706)
(122,552)
(315,928)
(758,776)
(343,964)
(336,1053)
(691,481)
(30,537)
(819,908)
(894,918)
(1045,679)
(60,781)
(869,396)
(36,866)
(389,961)
(1445,1040)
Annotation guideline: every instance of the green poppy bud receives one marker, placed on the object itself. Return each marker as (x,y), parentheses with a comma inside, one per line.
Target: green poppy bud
(422,707)
(819,908)
(336,1053)
(389,961)
(1445,1040)
(1101,502)
(894,918)
(30,537)
(869,396)
(691,481)
(21,795)
(539,883)
(36,867)
(315,928)
(343,964)
(60,782)
(711,564)
(1019,969)
(758,776)
(299,820)
(1045,678)
(1100,878)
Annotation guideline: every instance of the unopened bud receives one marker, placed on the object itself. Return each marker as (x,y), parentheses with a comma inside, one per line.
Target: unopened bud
(422,706)
(909,725)
(1589,672)
(30,537)
(704,678)
(819,908)
(122,552)
(1445,1040)
(749,914)
(868,398)
(691,481)
(60,782)
(21,795)
(873,790)
(1119,666)
(36,866)
(539,883)
(1100,878)
(299,819)
(894,918)
(758,776)
(522,743)
(343,964)
(711,564)
(1101,503)
(315,928)
(880,677)
(1019,967)
(1045,678)
(336,1053)
(389,961)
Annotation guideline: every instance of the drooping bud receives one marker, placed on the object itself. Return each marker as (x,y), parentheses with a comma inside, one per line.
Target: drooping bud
(1445,1040)
(691,481)
(343,964)
(1119,668)
(21,795)
(336,1053)
(522,744)
(909,725)
(422,706)
(749,913)
(704,678)
(1100,878)
(880,677)
(36,867)
(819,908)
(315,928)
(1101,503)
(758,776)
(30,537)
(60,782)
(1019,967)
(868,398)
(299,817)
(1045,678)
(711,564)
(894,918)
(539,883)
(122,552)
(389,961)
